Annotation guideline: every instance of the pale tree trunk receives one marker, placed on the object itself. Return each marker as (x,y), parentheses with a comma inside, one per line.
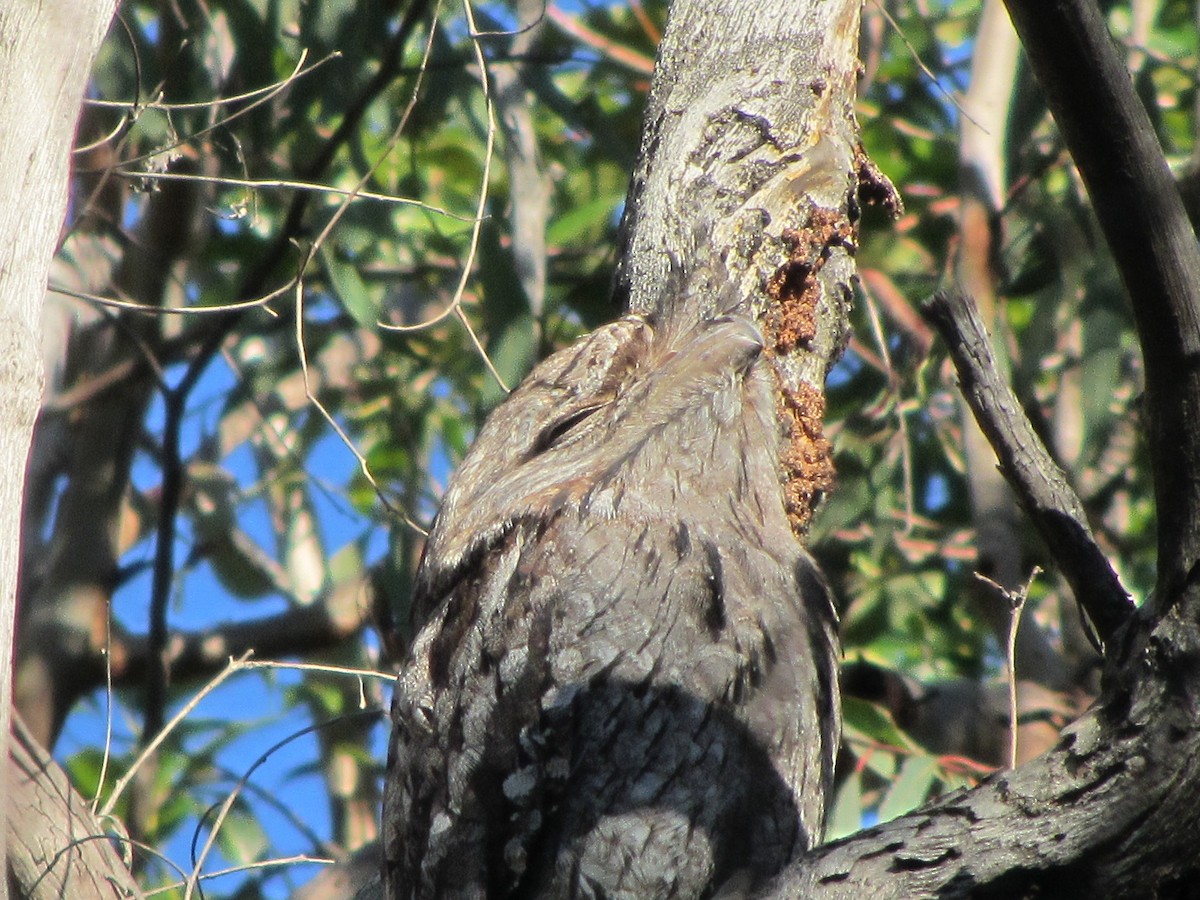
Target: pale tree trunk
(59,850)
(749,134)
(750,178)
(46,53)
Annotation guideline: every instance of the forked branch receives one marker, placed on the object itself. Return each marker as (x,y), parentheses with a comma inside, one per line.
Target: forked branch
(1040,485)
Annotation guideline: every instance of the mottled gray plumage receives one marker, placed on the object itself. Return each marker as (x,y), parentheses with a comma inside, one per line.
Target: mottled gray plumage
(626,684)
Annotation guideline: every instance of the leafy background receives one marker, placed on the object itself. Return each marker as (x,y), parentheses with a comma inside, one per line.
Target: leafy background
(212,436)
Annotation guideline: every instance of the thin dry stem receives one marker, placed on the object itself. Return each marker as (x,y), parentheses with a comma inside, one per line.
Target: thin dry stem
(235,665)
(1016,602)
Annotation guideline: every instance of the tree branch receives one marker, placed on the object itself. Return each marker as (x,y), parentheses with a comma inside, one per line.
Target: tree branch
(1137,202)
(1111,811)
(1041,487)
(340,614)
(58,847)
(983,185)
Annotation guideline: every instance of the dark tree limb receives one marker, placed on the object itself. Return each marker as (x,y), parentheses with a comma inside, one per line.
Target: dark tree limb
(1113,143)
(1112,811)
(1040,485)
(983,184)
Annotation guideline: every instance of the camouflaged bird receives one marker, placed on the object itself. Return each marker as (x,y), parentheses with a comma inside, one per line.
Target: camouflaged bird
(625,685)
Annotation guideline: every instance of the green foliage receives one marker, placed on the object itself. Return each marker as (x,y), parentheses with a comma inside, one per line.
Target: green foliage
(896,535)
(278,511)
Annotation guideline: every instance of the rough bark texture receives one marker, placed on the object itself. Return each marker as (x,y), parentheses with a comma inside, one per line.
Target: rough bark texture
(46,51)
(1112,810)
(750,151)
(58,849)
(626,684)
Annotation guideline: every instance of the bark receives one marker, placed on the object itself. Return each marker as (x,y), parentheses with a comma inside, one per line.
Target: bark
(59,849)
(1090,817)
(1139,208)
(751,174)
(46,51)
(619,616)
(750,154)
(1041,486)
(1110,812)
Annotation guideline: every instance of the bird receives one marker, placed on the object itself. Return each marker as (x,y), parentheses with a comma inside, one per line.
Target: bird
(625,683)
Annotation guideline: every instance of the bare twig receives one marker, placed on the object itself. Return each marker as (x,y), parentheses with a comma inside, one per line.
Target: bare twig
(234,665)
(222,811)
(1016,603)
(312,251)
(176,398)
(278,862)
(273,88)
(1039,483)
(455,307)
(274,91)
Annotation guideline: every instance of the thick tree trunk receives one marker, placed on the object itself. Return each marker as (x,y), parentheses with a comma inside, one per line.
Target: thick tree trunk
(626,685)
(749,178)
(745,202)
(46,52)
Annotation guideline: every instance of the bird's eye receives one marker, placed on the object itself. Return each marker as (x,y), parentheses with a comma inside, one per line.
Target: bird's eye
(558,429)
